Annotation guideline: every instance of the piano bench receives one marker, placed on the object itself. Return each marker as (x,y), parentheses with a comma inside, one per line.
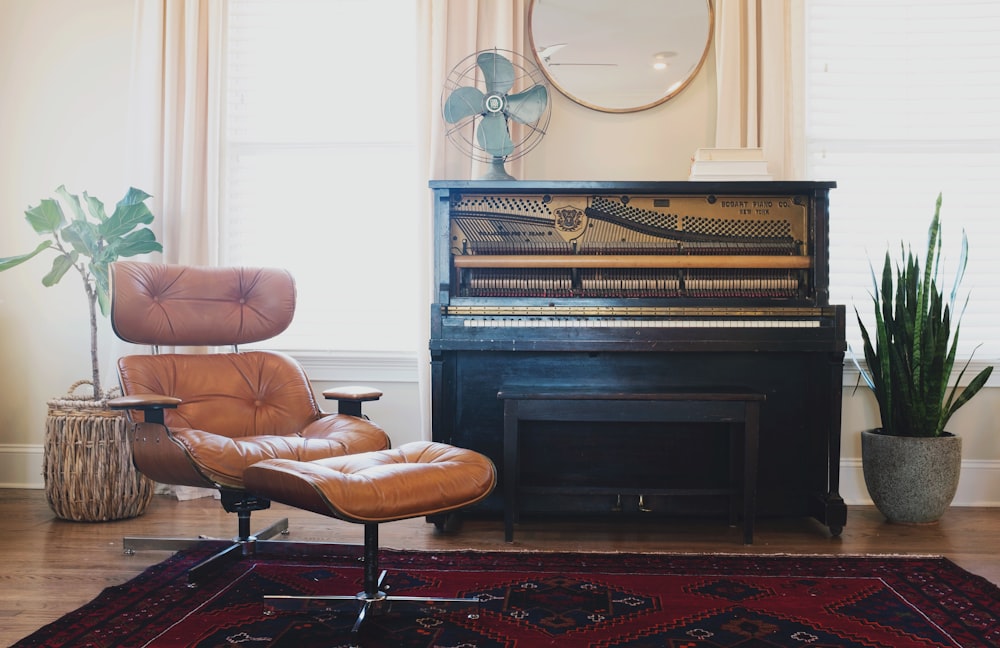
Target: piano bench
(736,406)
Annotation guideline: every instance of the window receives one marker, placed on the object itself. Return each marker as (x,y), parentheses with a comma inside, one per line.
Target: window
(903,102)
(320,172)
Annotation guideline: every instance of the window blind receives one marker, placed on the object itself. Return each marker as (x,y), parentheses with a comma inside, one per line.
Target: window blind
(320,173)
(902,103)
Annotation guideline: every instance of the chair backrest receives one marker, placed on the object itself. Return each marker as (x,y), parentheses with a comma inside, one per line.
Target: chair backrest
(160,304)
(232,394)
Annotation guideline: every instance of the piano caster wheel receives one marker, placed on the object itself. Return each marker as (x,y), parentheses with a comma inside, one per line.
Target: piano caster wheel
(447,523)
(642,505)
(617,508)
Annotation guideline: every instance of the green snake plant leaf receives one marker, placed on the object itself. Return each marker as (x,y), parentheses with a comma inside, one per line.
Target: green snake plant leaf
(911,350)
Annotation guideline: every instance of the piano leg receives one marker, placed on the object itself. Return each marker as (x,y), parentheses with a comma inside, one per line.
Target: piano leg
(829,508)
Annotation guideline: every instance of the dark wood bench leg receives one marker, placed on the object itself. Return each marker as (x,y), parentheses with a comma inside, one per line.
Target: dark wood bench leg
(736,447)
(511,469)
(751,429)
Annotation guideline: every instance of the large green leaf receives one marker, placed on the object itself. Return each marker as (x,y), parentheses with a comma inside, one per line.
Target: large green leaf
(84,236)
(102,286)
(60,266)
(141,241)
(11,261)
(74,202)
(47,217)
(95,207)
(134,196)
(126,217)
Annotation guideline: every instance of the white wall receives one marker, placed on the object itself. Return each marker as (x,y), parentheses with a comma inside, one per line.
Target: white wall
(63,111)
(655,144)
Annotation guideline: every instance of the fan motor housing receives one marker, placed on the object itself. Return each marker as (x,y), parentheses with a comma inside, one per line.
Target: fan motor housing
(494,103)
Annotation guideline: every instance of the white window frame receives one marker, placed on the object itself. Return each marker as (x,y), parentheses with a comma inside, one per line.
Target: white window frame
(308,186)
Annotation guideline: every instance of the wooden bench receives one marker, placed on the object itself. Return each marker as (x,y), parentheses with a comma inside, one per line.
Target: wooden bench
(736,406)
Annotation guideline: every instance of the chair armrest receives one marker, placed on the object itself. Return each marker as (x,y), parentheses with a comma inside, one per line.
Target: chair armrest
(349,398)
(152,405)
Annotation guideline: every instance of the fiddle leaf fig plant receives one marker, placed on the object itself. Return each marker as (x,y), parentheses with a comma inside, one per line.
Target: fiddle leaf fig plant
(911,350)
(86,239)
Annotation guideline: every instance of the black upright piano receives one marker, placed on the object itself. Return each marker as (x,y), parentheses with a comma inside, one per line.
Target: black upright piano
(638,286)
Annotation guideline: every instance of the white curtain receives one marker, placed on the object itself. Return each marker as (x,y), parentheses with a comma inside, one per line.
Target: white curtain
(758,45)
(175,107)
(174,121)
(449,31)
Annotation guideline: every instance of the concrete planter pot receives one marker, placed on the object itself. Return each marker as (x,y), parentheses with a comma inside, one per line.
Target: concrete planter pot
(912,480)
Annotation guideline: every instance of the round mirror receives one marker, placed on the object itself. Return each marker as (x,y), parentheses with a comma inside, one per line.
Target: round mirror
(620,55)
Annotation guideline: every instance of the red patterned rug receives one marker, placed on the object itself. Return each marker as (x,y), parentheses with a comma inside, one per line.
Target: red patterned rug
(551,599)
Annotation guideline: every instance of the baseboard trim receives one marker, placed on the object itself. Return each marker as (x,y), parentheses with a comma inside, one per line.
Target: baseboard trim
(978,485)
(21,465)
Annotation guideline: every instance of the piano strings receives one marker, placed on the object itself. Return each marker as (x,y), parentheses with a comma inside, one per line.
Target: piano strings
(513,230)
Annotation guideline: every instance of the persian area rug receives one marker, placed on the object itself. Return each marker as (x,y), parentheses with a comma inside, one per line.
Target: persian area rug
(549,599)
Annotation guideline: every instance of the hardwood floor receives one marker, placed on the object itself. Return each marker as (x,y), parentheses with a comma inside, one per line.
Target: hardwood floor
(49,567)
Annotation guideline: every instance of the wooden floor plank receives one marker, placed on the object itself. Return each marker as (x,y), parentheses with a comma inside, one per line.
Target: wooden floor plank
(49,567)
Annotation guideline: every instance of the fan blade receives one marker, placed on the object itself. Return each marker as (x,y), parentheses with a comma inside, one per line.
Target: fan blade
(526,107)
(463,102)
(498,72)
(493,135)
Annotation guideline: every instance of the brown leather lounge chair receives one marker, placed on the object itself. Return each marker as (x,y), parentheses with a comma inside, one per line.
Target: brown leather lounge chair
(202,418)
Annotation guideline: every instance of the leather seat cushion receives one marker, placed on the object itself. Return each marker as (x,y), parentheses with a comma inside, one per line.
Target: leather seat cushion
(413,480)
(224,460)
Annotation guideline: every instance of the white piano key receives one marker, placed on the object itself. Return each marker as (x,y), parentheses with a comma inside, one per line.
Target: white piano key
(572,322)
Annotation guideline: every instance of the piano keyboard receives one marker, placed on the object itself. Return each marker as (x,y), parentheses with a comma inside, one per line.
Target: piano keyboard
(578,322)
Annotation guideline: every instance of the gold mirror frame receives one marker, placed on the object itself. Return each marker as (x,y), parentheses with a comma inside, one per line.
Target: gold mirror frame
(601,53)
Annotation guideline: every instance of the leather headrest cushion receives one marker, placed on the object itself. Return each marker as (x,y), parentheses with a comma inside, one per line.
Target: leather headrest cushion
(162,304)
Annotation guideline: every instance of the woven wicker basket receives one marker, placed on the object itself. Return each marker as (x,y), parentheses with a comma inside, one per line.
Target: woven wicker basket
(89,476)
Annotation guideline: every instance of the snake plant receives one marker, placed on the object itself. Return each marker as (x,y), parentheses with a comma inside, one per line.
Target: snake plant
(911,350)
(88,242)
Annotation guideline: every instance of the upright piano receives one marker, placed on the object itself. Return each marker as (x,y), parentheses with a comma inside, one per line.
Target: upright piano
(638,286)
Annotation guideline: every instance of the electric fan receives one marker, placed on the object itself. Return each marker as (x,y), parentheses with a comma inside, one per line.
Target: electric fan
(483,95)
